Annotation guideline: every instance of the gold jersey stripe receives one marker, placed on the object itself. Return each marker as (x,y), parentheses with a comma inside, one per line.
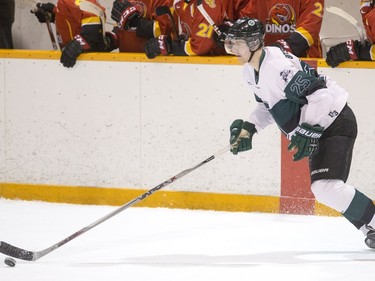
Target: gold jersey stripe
(306,35)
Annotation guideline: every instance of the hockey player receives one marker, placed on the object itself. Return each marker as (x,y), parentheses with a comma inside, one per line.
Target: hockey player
(292,25)
(311,110)
(77,31)
(353,49)
(138,22)
(195,34)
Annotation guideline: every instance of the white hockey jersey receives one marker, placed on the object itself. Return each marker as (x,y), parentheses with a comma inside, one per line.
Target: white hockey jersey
(291,92)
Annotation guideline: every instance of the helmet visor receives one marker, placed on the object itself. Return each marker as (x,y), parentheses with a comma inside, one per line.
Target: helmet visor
(229,44)
(253,43)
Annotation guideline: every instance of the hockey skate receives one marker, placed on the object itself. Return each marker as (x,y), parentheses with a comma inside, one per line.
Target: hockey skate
(370,239)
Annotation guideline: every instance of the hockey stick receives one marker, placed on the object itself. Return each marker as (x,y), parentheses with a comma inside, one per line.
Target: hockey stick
(208,18)
(341,13)
(90,7)
(164,10)
(51,35)
(10,250)
(32,4)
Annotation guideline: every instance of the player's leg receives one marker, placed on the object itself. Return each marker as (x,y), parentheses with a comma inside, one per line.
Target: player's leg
(329,172)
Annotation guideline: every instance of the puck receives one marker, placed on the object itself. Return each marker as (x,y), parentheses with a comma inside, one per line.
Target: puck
(10,262)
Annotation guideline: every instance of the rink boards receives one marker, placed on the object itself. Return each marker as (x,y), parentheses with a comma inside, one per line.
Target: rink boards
(117,125)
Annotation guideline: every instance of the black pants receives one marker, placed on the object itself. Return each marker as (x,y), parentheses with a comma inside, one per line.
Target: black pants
(334,157)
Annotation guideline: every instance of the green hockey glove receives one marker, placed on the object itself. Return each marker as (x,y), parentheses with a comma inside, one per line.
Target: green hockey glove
(305,140)
(241,135)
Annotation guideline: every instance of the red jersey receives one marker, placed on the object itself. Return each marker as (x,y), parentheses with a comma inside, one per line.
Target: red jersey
(368,18)
(69,19)
(285,17)
(234,8)
(195,29)
(129,41)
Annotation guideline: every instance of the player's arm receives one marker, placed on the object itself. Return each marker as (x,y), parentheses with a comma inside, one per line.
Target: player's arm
(261,117)
(353,49)
(242,132)
(89,39)
(156,24)
(92,32)
(132,15)
(310,92)
(367,51)
(201,39)
(350,50)
(307,28)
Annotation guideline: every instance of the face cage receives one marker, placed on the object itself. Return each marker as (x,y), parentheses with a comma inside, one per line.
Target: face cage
(254,43)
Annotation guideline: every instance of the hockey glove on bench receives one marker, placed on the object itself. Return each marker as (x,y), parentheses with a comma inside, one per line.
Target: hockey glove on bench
(72,50)
(306,140)
(126,14)
(241,136)
(342,53)
(158,46)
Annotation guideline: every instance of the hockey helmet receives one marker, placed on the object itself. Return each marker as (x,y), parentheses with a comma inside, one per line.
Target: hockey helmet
(250,30)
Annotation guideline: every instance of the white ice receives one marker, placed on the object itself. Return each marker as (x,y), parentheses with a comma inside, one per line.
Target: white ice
(144,244)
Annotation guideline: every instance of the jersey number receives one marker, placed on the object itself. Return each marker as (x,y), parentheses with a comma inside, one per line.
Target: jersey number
(205,30)
(318,10)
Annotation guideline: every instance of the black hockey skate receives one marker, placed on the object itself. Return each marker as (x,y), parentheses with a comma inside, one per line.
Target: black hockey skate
(370,239)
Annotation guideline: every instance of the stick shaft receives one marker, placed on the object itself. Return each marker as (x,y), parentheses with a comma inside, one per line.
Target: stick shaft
(341,13)
(51,35)
(10,250)
(207,17)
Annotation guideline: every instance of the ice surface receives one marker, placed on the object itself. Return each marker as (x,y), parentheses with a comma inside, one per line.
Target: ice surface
(143,244)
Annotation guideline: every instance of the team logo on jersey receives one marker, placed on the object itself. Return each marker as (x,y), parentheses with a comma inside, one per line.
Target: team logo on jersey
(286,75)
(281,19)
(333,113)
(211,3)
(185,30)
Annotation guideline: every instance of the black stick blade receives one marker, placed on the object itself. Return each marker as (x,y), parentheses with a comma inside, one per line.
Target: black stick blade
(16,252)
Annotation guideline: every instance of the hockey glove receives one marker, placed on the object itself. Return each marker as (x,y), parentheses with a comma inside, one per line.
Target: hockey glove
(158,46)
(126,14)
(74,48)
(305,140)
(342,52)
(112,40)
(241,136)
(282,44)
(43,11)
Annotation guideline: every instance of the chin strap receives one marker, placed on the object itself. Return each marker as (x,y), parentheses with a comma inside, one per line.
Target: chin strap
(251,56)
(253,52)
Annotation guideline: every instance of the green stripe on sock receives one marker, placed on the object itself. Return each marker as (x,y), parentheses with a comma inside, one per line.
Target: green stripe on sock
(361,210)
